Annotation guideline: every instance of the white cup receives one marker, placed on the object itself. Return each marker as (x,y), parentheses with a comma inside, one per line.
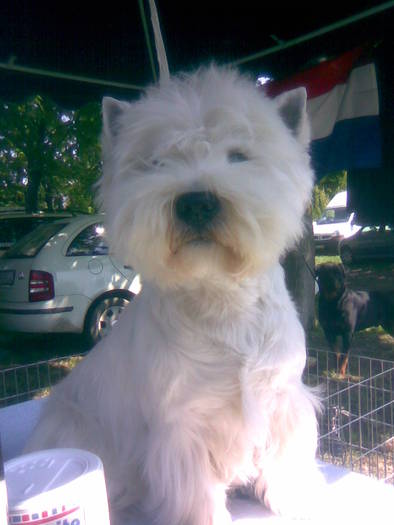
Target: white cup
(56,487)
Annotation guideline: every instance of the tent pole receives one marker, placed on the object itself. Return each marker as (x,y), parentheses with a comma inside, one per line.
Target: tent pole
(147,39)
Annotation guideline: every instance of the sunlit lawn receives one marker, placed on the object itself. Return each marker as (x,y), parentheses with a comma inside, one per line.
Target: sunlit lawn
(372,342)
(321,259)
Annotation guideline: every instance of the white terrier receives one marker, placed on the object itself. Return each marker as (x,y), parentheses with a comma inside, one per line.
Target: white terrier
(198,387)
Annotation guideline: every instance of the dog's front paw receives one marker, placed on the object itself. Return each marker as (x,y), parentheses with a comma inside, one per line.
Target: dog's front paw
(294,497)
(221,516)
(218,509)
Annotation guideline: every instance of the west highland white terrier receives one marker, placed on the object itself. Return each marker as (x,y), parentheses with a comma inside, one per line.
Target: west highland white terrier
(198,387)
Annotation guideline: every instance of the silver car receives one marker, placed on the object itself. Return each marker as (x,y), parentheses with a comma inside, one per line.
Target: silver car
(371,242)
(61,278)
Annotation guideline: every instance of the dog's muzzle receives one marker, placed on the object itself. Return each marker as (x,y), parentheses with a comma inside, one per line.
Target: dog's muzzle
(197,209)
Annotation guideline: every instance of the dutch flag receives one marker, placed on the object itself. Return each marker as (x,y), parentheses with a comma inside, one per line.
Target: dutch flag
(343,107)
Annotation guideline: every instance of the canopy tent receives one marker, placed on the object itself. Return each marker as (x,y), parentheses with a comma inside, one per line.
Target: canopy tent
(79,56)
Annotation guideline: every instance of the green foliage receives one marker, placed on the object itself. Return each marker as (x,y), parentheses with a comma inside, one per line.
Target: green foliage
(325,190)
(319,201)
(49,158)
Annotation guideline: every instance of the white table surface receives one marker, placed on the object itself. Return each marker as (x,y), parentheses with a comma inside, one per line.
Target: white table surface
(349,498)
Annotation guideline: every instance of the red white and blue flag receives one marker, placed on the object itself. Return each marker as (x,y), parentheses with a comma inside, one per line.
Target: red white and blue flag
(343,107)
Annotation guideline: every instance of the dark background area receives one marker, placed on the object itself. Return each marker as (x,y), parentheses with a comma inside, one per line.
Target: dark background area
(108,43)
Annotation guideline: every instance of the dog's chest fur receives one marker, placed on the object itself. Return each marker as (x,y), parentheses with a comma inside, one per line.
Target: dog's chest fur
(212,353)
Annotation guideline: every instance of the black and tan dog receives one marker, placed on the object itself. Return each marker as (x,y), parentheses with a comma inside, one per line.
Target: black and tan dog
(343,311)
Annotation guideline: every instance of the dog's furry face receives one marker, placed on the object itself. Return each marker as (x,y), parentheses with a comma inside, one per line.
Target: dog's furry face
(331,280)
(239,158)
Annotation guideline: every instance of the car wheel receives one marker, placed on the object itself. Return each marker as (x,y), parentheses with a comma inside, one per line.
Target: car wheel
(346,255)
(103,315)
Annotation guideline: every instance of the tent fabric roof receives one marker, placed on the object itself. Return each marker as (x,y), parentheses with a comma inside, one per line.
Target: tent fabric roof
(110,44)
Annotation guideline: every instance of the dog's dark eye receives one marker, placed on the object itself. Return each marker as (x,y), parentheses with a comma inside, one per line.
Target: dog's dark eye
(237,156)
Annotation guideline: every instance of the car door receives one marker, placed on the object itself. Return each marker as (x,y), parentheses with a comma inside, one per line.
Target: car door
(376,242)
(366,242)
(90,271)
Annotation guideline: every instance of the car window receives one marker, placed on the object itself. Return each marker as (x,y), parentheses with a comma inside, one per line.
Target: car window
(369,229)
(23,226)
(89,241)
(13,229)
(332,215)
(31,244)
(7,232)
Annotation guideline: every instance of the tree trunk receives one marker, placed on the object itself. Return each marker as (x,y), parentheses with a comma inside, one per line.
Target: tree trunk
(299,267)
(50,197)
(31,199)
(35,159)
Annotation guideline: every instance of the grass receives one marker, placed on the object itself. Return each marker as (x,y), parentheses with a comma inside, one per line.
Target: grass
(322,259)
(372,342)
(376,463)
(23,349)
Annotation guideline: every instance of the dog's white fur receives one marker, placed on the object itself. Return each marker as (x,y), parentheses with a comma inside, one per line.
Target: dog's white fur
(198,387)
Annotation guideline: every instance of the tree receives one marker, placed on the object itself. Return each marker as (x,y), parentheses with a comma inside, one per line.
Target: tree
(299,266)
(48,156)
(325,190)
(86,165)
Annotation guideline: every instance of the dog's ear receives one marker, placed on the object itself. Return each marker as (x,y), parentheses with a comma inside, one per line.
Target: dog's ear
(292,108)
(112,110)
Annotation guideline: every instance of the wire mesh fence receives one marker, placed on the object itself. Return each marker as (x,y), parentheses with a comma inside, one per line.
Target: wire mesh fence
(356,423)
(25,382)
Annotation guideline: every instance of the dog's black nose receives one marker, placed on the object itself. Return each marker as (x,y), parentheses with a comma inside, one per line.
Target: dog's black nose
(197,209)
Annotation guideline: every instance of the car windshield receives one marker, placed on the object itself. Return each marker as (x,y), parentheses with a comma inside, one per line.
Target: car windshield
(332,215)
(32,243)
